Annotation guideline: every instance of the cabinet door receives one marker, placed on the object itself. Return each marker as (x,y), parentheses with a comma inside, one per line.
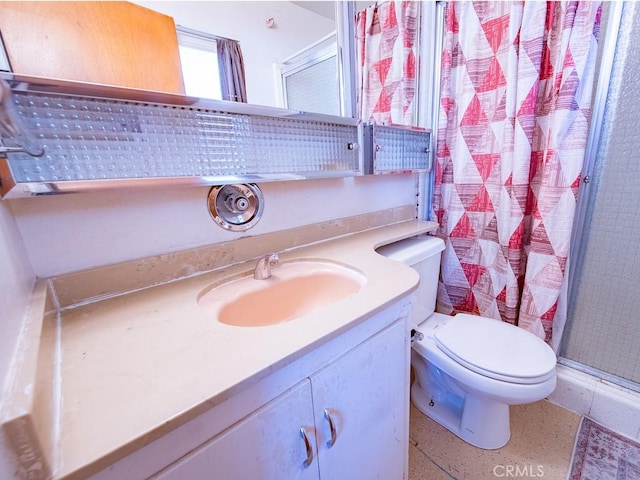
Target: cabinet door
(267,445)
(365,394)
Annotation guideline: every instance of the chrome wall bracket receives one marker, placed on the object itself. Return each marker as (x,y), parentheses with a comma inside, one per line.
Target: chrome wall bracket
(236,207)
(12,129)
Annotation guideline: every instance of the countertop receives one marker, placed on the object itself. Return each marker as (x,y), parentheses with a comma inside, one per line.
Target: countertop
(138,365)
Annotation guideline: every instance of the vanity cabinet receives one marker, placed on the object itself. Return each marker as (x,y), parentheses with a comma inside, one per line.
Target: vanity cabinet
(365,395)
(353,413)
(266,444)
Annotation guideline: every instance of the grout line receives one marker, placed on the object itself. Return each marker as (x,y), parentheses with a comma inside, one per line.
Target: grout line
(444,471)
(417,445)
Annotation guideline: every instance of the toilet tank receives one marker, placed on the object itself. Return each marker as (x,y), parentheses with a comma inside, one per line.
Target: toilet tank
(423,254)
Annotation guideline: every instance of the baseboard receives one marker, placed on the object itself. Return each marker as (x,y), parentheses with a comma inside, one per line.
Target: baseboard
(615,407)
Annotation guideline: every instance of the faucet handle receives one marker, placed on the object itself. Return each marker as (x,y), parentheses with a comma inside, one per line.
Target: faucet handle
(273,259)
(264,266)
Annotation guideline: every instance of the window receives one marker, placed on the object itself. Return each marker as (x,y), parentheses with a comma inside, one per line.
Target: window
(309,79)
(199,58)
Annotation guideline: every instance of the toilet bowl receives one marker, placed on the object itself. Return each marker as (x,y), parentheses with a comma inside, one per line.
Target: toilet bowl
(468,369)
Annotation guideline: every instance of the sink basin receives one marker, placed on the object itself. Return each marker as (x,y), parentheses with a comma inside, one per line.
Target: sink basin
(294,289)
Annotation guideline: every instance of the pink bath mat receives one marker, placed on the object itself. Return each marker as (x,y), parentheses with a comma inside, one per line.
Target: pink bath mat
(600,454)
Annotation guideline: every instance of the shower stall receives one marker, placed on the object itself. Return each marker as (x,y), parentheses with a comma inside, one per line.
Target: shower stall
(602,334)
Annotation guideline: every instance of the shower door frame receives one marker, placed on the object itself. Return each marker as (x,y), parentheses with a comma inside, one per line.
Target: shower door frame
(607,56)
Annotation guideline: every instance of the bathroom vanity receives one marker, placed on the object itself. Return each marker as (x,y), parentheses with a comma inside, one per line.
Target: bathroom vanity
(152,385)
(346,419)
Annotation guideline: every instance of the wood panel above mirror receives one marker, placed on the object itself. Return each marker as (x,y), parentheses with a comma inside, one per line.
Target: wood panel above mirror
(112,43)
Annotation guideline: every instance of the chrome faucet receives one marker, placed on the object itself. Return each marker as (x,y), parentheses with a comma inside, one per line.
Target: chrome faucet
(264,266)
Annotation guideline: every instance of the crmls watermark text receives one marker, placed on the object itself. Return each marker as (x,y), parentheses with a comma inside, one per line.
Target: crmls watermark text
(518,471)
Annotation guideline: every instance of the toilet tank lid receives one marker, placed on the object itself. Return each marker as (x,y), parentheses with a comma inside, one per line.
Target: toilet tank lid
(413,250)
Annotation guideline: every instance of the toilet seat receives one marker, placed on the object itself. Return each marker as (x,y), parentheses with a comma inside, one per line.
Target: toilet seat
(496,349)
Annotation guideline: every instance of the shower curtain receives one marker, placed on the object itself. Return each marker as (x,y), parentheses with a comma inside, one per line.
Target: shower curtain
(515,103)
(386,48)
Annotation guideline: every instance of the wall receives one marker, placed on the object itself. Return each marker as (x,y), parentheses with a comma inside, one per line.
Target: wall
(604,328)
(16,283)
(68,233)
(74,232)
(245,21)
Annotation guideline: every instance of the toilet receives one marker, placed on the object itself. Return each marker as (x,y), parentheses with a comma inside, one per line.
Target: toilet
(468,369)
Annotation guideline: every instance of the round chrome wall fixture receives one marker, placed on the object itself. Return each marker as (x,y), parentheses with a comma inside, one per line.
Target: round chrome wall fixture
(236,207)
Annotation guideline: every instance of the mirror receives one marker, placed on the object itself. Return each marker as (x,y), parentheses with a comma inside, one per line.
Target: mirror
(276,38)
(279,39)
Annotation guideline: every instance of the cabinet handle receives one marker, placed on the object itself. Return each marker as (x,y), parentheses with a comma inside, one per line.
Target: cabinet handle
(307,446)
(332,428)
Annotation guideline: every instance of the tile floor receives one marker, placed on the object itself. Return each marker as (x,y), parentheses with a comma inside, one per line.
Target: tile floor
(542,436)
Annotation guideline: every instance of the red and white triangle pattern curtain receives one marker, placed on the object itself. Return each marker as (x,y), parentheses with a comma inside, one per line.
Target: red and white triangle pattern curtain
(386,47)
(515,106)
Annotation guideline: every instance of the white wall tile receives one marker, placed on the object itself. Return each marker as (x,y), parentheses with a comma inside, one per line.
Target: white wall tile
(574,390)
(613,406)
(616,408)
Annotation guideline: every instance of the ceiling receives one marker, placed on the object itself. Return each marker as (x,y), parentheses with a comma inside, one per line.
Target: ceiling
(326,9)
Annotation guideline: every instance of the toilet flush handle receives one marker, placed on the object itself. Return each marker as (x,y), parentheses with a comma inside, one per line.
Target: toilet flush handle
(416,336)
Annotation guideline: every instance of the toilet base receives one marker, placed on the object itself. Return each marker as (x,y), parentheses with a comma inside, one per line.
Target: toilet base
(480,421)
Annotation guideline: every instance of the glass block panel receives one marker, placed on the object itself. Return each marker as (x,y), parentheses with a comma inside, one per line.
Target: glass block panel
(400,149)
(87,138)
